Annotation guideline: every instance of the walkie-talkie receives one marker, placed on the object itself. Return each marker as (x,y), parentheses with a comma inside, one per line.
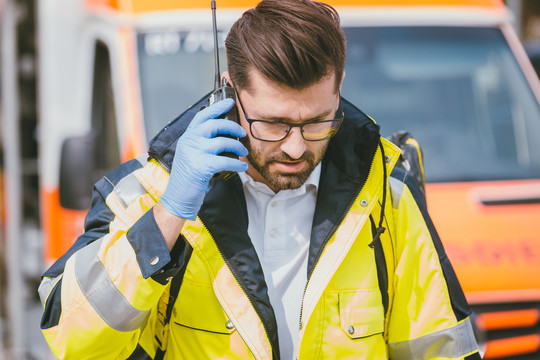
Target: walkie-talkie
(222,91)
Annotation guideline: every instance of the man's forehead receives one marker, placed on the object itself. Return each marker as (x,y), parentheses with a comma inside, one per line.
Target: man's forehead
(257,83)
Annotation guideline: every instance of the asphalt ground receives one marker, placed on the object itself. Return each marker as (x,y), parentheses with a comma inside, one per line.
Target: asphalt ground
(34,347)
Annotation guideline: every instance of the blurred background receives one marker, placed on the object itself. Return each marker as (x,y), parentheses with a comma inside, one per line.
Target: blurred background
(86,84)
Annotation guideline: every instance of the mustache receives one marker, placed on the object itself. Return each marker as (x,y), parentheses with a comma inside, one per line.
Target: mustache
(284,157)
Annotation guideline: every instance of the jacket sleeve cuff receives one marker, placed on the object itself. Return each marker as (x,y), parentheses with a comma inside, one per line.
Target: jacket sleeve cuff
(151,250)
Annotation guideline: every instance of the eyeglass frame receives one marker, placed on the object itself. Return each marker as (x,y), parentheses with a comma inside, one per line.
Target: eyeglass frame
(301,126)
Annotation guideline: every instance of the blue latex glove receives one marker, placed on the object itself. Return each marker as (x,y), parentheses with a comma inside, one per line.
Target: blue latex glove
(196,159)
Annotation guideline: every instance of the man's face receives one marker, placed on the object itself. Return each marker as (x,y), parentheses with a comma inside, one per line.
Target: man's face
(285,164)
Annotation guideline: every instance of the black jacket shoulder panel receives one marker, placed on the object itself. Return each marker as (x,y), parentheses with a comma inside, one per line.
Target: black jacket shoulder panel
(348,148)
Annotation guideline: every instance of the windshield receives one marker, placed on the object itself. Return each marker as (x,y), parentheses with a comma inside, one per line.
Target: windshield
(459,91)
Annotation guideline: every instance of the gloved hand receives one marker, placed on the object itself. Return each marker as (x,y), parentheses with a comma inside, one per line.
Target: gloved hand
(196,159)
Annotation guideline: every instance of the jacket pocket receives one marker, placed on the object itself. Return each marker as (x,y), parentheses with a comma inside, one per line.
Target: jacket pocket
(361,313)
(198,309)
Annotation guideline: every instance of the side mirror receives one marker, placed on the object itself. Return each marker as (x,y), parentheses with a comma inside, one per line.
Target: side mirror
(78,171)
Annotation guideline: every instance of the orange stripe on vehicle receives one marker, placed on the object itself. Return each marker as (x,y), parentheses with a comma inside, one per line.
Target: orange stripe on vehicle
(61,226)
(508,319)
(141,6)
(499,249)
(96,4)
(160,5)
(134,143)
(519,345)
(408,3)
(502,296)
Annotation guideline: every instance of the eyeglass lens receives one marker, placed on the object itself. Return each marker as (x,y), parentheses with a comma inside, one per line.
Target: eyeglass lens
(277,131)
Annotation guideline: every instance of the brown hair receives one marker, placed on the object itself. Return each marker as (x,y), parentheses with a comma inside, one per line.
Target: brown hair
(290,42)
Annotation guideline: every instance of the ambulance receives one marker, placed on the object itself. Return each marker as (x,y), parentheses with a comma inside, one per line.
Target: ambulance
(453,73)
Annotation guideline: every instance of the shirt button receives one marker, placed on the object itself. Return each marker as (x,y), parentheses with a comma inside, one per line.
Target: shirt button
(273,204)
(350,329)
(154,260)
(273,233)
(229,325)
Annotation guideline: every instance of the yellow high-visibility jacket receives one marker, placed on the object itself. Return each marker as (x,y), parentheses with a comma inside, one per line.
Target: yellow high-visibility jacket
(366,298)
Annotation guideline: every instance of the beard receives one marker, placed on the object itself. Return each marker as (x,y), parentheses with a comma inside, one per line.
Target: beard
(282,180)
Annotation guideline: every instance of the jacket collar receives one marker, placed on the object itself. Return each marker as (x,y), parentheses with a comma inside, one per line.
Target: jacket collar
(345,168)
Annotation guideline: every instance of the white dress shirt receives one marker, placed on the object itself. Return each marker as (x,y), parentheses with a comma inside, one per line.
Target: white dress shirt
(280,230)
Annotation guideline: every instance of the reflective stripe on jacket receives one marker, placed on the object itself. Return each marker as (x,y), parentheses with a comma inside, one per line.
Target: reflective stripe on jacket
(106,298)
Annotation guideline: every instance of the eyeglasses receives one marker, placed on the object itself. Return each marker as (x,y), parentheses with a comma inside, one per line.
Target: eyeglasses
(273,131)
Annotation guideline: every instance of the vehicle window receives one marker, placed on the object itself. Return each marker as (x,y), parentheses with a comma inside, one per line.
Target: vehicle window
(176,69)
(459,91)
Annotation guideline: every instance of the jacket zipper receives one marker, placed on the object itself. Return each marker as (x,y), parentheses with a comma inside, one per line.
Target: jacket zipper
(244,288)
(159,161)
(330,234)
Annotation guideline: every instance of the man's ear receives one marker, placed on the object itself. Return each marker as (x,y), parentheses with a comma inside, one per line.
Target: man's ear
(342,78)
(227,77)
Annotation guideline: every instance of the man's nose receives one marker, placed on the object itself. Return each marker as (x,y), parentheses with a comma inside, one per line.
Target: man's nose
(294,144)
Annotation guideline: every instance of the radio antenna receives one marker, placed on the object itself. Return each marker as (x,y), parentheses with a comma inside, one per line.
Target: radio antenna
(217,82)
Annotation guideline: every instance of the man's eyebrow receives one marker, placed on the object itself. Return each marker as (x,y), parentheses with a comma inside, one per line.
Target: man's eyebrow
(321,116)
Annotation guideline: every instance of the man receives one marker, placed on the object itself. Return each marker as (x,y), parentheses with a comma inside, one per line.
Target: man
(310,251)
